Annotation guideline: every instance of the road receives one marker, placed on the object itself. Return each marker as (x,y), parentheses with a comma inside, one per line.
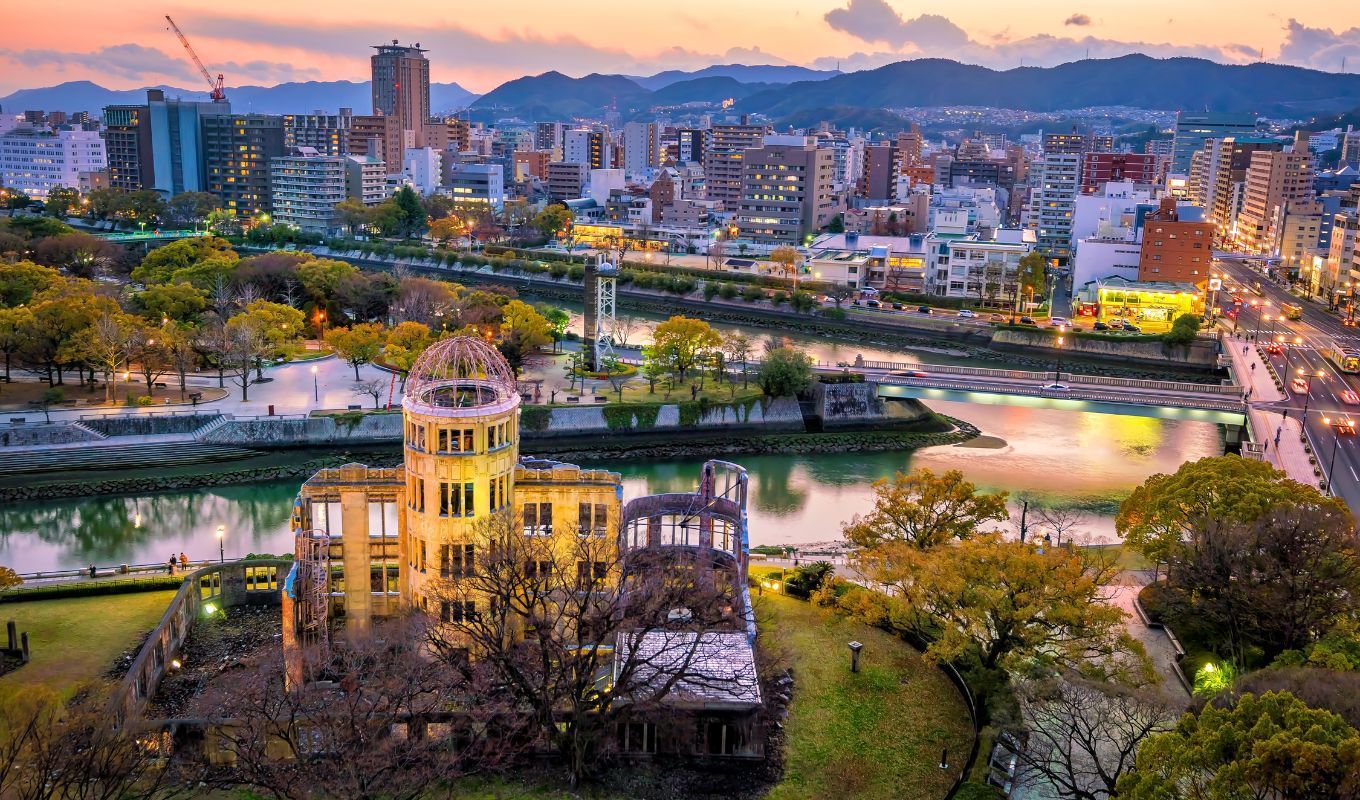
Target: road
(1304,343)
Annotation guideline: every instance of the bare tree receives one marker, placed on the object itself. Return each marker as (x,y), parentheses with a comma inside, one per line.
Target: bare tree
(389,722)
(221,297)
(736,346)
(1083,735)
(373,387)
(625,327)
(548,611)
(1064,522)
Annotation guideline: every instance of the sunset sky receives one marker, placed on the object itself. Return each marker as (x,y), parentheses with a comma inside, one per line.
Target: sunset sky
(479,45)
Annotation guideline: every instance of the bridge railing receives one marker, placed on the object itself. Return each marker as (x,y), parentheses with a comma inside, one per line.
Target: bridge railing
(1027,375)
(1208,403)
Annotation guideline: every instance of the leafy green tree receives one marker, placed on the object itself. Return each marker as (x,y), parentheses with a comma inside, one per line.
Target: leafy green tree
(13,324)
(413,216)
(1272,746)
(54,395)
(523,322)
(277,323)
(1183,330)
(552,220)
(20,280)
(923,510)
(61,201)
(837,224)
(784,372)
(322,277)
(387,217)
(189,208)
(353,214)
(1033,274)
(654,367)
(161,264)
(404,344)
(1164,510)
(358,345)
(179,302)
(558,322)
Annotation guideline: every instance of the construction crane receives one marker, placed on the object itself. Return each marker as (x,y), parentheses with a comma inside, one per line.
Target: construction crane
(215,90)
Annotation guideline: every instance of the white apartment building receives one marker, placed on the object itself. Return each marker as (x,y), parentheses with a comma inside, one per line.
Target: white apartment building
(1116,204)
(477,184)
(1111,253)
(306,188)
(1056,182)
(982,270)
(978,203)
(641,148)
(420,168)
(366,179)
(35,161)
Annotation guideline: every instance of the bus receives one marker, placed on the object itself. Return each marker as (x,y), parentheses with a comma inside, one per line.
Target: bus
(1291,311)
(1345,357)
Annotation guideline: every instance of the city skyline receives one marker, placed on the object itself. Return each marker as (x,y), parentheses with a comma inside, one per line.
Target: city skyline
(255,43)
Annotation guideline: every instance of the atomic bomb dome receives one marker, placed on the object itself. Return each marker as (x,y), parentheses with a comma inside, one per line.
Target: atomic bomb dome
(459,375)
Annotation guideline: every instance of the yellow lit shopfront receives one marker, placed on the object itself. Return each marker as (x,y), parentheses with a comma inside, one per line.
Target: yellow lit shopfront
(1152,306)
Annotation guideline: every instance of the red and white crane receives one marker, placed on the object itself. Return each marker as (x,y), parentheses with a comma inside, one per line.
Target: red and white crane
(215,90)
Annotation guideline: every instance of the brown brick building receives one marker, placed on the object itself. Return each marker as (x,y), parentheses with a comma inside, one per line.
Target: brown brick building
(1176,248)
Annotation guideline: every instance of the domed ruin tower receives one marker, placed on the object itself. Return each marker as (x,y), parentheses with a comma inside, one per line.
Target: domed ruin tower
(461,412)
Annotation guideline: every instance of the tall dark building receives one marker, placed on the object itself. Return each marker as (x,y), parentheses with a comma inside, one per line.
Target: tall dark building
(401,84)
(328,133)
(237,149)
(127,142)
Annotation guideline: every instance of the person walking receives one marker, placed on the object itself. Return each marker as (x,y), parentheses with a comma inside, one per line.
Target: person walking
(183,561)
(170,565)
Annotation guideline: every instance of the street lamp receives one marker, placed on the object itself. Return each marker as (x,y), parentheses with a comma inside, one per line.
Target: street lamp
(316,390)
(221,544)
(1308,388)
(1331,462)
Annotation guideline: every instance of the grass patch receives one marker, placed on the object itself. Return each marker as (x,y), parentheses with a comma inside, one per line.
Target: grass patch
(1124,557)
(875,734)
(73,641)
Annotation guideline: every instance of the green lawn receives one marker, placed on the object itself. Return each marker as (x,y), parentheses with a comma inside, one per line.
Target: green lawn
(1124,557)
(875,734)
(75,640)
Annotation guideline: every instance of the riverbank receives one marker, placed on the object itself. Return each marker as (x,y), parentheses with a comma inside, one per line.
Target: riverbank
(930,432)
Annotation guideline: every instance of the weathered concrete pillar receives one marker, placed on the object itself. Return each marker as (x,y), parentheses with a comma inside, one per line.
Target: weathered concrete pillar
(13,634)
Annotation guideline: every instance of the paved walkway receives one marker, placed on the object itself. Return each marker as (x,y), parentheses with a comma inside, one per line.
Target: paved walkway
(1281,435)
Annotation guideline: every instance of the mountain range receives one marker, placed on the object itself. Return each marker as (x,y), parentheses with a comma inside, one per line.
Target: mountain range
(790,94)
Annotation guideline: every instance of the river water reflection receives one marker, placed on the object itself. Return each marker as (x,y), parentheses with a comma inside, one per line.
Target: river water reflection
(1072,458)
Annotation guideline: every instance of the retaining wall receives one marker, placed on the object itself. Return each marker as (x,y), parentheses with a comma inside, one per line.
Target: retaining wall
(1201,354)
(45,433)
(148,424)
(780,414)
(299,430)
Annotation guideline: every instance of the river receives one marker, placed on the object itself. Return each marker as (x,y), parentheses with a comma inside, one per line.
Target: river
(1069,458)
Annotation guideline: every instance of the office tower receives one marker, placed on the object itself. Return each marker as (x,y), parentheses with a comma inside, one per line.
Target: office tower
(1054,182)
(35,160)
(909,146)
(787,190)
(1273,179)
(327,134)
(548,136)
(1234,158)
(237,152)
(476,184)
(641,147)
(592,149)
(127,142)
(723,160)
(1101,168)
(1192,129)
(305,189)
(1350,147)
(1177,244)
(401,84)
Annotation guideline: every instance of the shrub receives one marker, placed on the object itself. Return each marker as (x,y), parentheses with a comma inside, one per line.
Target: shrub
(752,293)
(710,290)
(728,291)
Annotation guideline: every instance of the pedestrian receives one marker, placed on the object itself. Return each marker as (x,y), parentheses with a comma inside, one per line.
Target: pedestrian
(1266,448)
(694,391)
(170,565)
(183,561)
(1253,366)
(92,572)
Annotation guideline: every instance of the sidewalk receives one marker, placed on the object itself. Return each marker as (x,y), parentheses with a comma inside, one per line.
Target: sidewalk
(1281,436)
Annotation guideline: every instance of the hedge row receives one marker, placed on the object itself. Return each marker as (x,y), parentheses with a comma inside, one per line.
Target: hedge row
(93,589)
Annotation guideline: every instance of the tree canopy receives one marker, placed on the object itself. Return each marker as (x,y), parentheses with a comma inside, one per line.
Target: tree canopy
(784,372)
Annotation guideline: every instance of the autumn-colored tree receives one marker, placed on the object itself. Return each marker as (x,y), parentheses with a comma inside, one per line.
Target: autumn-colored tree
(552,220)
(404,344)
(1162,512)
(923,510)
(178,302)
(448,229)
(684,342)
(106,345)
(21,280)
(149,351)
(521,320)
(13,323)
(786,258)
(1271,746)
(8,579)
(352,213)
(161,264)
(358,345)
(1006,602)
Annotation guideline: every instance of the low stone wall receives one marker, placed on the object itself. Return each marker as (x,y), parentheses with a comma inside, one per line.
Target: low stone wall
(294,431)
(1202,353)
(45,433)
(779,414)
(148,424)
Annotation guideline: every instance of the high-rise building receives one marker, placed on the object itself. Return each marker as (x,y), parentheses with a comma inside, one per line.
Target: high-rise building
(877,180)
(1274,179)
(566,180)
(238,150)
(366,179)
(127,142)
(1054,183)
(401,84)
(723,160)
(531,163)
(1177,245)
(327,134)
(1229,176)
(477,184)
(787,191)
(1101,168)
(305,189)
(548,136)
(36,160)
(641,147)
(590,148)
(379,136)
(1350,147)
(691,145)
(1193,128)
(422,167)
(909,146)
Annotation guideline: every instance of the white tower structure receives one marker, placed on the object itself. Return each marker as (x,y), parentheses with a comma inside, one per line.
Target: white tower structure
(605,283)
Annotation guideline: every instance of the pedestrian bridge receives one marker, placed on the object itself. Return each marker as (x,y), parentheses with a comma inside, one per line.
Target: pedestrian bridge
(133,237)
(906,379)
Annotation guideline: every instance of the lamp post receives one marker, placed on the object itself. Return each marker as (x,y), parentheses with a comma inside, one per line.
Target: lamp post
(1308,389)
(316,389)
(1331,462)
(221,544)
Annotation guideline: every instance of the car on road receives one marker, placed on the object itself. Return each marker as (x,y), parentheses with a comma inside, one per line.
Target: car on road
(1129,327)
(1275,348)
(1056,387)
(1344,426)
(966,314)
(998,318)
(872,303)
(1298,386)
(1349,398)
(1100,326)
(923,309)
(897,306)
(1027,321)
(1058,321)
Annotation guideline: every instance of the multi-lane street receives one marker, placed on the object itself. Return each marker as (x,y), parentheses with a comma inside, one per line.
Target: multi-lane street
(1316,390)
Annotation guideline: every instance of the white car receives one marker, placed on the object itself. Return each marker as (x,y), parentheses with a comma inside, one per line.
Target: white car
(966,314)
(1058,321)
(1056,387)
